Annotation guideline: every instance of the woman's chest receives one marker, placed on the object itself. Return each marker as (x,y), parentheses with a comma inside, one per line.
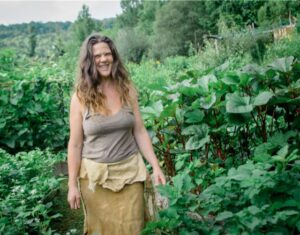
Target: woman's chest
(97,124)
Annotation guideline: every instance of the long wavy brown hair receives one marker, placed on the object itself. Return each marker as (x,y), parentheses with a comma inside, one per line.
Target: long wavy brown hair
(89,79)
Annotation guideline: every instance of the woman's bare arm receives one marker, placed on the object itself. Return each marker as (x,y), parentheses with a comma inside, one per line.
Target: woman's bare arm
(145,145)
(74,151)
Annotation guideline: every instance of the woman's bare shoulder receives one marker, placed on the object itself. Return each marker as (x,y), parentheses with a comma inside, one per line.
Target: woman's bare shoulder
(76,104)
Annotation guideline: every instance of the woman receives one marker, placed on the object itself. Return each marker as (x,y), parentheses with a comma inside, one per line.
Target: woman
(107,135)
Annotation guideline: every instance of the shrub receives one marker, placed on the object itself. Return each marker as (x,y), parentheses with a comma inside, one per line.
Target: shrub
(27,186)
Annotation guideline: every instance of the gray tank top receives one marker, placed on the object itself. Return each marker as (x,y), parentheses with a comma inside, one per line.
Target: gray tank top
(108,139)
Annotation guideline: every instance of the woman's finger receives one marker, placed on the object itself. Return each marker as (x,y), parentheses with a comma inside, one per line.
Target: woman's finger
(77,202)
(71,203)
(163,180)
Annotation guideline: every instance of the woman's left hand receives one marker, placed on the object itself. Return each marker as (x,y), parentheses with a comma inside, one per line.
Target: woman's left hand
(159,177)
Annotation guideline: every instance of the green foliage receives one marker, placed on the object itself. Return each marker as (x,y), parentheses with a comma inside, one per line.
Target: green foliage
(43,38)
(171,36)
(288,46)
(147,16)
(13,30)
(159,73)
(27,187)
(225,130)
(271,13)
(7,62)
(130,12)
(242,41)
(34,107)
(257,198)
(84,25)
(222,127)
(32,40)
(132,45)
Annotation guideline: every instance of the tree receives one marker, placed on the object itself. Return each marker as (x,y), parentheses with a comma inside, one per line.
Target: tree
(84,24)
(278,13)
(132,44)
(147,16)
(130,12)
(32,39)
(178,25)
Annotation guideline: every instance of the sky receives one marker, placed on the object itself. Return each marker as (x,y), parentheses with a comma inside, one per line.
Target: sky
(24,11)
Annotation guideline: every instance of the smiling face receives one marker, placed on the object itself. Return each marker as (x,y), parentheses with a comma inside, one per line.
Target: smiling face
(103,59)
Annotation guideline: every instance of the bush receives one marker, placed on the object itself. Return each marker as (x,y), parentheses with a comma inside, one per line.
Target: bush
(284,47)
(132,44)
(34,107)
(27,186)
(231,137)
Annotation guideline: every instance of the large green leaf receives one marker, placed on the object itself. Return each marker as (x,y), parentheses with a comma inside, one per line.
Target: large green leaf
(238,104)
(199,138)
(195,143)
(262,98)
(208,101)
(195,116)
(224,215)
(245,79)
(283,151)
(205,81)
(179,114)
(283,64)
(187,88)
(183,182)
(252,222)
(254,210)
(152,111)
(252,69)
(192,130)
(231,79)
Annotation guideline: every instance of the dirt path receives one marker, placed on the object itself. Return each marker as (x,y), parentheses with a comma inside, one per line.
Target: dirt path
(71,222)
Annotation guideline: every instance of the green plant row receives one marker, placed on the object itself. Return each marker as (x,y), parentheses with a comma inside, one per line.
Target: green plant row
(232,131)
(224,114)
(34,105)
(258,197)
(27,188)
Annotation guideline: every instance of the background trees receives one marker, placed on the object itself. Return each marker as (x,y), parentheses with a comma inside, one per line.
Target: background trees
(85,25)
(158,29)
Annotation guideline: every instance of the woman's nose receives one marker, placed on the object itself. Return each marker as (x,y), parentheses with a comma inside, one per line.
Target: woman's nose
(103,58)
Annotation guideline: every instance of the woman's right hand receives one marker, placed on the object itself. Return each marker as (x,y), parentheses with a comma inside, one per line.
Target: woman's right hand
(74,197)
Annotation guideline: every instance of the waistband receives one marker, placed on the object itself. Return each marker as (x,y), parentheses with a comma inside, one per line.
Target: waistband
(114,175)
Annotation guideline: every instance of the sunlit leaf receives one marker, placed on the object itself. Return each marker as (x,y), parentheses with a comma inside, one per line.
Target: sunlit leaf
(262,98)
(195,116)
(208,101)
(195,142)
(224,215)
(231,79)
(238,104)
(283,64)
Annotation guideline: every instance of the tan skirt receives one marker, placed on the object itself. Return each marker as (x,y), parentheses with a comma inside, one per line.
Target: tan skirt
(113,213)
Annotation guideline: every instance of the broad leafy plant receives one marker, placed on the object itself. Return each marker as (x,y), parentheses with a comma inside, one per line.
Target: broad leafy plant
(232,131)
(34,103)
